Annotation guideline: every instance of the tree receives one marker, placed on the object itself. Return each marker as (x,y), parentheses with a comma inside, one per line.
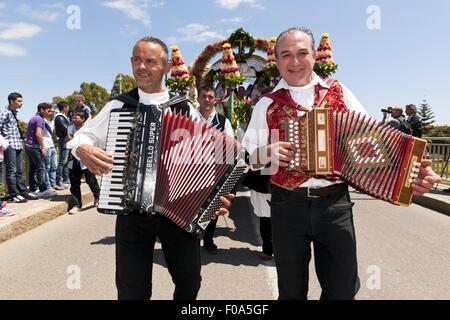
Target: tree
(122,83)
(427,116)
(96,96)
(439,131)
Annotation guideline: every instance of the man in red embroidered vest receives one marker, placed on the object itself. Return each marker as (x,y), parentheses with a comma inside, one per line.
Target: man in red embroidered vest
(305,209)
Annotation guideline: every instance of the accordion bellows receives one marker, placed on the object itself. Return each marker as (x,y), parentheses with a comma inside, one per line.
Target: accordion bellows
(168,163)
(372,157)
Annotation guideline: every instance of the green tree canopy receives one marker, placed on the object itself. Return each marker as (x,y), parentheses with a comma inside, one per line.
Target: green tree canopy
(439,131)
(427,116)
(96,96)
(122,83)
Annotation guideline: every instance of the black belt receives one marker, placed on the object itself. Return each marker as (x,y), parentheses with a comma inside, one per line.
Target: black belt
(322,192)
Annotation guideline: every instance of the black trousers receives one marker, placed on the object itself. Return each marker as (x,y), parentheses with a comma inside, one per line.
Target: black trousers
(326,221)
(265,230)
(135,241)
(208,236)
(75,175)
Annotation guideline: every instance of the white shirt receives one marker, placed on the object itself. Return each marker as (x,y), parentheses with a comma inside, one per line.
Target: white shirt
(48,139)
(228,128)
(94,131)
(259,202)
(257,134)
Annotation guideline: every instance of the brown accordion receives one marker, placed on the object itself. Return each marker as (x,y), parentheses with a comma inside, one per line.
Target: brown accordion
(169,164)
(372,157)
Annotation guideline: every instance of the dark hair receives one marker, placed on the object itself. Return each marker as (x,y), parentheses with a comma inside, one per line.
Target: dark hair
(13,96)
(294,29)
(165,57)
(43,105)
(411,107)
(61,105)
(206,87)
(80,114)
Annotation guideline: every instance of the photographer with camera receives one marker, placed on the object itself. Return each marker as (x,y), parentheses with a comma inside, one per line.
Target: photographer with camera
(398,120)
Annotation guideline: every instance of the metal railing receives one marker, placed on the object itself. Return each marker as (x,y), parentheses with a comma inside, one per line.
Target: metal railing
(439,153)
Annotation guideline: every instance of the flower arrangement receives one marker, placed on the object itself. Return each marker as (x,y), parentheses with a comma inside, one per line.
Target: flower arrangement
(325,65)
(229,74)
(242,113)
(180,80)
(199,68)
(270,68)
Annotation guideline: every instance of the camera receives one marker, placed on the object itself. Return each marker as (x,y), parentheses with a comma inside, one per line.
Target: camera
(387,110)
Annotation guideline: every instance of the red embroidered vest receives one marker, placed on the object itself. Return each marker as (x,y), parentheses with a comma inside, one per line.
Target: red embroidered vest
(283,107)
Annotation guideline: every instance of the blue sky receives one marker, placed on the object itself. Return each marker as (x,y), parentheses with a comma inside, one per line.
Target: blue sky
(389,52)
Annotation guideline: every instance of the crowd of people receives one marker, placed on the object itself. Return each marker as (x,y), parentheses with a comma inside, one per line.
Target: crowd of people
(44,147)
(296,210)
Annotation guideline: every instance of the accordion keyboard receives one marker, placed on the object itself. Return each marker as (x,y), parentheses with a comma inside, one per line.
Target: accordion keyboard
(111,186)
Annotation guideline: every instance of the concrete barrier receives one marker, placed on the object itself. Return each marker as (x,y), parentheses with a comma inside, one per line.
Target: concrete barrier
(33,213)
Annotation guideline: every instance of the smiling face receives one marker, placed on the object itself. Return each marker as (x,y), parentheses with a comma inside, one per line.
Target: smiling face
(295,58)
(150,64)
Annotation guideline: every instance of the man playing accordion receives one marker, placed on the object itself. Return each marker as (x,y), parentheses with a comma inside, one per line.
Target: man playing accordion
(305,209)
(135,232)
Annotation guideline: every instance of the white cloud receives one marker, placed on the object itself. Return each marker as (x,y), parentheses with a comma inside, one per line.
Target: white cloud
(45,12)
(134,9)
(232,20)
(233,4)
(18,31)
(195,32)
(128,30)
(11,50)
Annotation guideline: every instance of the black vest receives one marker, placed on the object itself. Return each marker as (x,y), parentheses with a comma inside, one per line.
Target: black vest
(177,103)
(219,122)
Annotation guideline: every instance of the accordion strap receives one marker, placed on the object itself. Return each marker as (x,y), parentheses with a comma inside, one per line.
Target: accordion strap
(131,99)
(321,92)
(285,99)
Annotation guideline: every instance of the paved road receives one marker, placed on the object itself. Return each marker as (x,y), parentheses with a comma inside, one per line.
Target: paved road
(404,253)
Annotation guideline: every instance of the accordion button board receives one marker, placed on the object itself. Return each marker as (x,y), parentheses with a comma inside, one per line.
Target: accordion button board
(371,157)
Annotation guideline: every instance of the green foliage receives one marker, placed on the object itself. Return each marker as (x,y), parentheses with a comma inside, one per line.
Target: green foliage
(427,116)
(96,96)
(123,83)
(230,81)
(242,39)
(242,113)
(325,69)
(438,131)
(23,127)
(177,84)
